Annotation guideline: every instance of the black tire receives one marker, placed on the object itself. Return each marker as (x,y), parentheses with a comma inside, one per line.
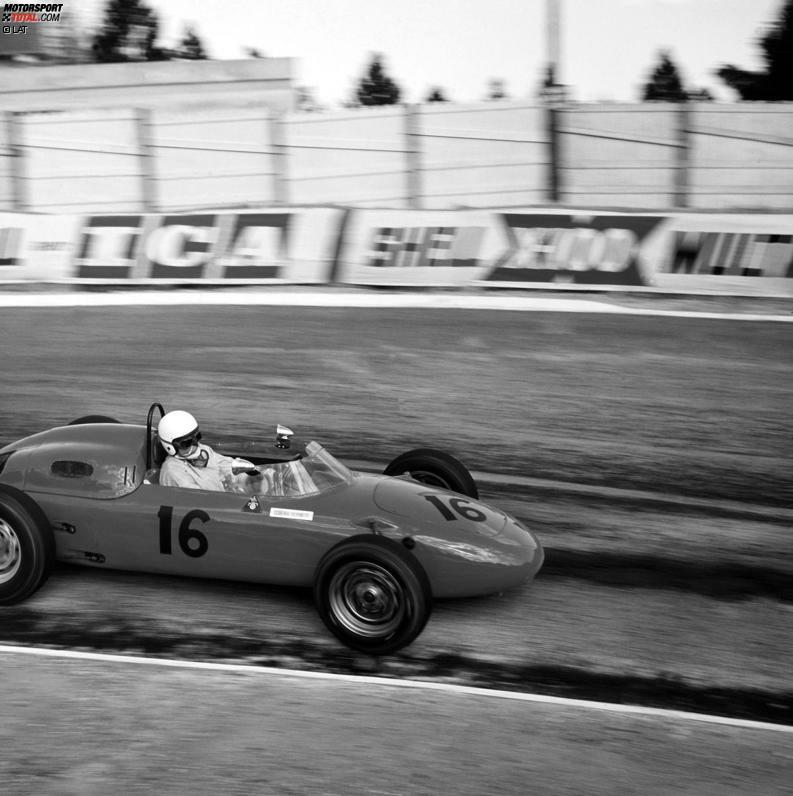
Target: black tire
(435,468)
(81,421)
(372,594)
(27,546)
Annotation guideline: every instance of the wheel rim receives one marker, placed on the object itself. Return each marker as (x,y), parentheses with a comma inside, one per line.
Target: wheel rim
(366,599)
(10,552)
(431,479)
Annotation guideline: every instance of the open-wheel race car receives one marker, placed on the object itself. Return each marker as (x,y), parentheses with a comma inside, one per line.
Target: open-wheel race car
(375,549)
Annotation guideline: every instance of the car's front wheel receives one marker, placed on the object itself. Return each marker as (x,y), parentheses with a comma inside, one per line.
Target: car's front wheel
(435,468)
(372,594)
(27,546)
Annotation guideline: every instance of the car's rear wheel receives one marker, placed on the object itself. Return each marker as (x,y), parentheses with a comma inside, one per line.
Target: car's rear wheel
(372,594)
(435,468)
(27,546)
(80,421)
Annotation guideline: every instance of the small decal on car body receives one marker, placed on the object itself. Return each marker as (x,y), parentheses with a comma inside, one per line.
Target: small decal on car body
(292,514)
(253,505)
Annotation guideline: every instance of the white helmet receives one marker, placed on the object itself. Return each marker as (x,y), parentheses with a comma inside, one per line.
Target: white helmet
(179,434)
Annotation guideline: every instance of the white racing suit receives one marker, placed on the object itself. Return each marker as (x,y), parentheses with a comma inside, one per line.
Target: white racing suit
(210,471)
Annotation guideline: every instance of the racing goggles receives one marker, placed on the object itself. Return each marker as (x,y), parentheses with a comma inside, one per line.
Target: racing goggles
(187,442)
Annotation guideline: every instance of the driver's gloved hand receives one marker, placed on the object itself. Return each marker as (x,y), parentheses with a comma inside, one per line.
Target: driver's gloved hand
(240,466)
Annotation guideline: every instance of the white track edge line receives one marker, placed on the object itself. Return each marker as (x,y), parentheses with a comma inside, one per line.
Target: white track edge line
(451,688)
(391,301)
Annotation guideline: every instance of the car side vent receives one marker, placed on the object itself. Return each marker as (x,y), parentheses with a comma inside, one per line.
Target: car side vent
(71,469)
(4,457)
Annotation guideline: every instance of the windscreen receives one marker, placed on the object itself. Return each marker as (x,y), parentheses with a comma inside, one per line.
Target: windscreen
(317,471)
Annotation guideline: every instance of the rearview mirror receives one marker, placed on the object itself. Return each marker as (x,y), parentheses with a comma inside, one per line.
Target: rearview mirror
(283,437)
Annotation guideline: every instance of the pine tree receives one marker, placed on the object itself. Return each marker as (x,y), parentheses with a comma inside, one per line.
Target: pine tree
(496,89)
(665,84)
(376,87)
(306,101)
(129,33)
(436,95)
(191,47)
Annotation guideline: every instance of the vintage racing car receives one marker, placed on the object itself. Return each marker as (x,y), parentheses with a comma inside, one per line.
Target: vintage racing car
(376,549)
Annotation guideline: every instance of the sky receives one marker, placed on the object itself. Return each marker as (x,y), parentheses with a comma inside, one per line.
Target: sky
(608,48)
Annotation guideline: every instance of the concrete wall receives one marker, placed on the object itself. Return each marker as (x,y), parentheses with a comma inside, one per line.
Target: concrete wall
(246,150)
(619,155)
(126,137)
(81,159)
(349,157)
(9,162)
(483,155)
(657,155)
(212,157)
(147,84)
(433,155)
(742,155)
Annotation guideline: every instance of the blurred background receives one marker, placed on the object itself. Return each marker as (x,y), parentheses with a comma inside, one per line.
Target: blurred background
(135,106)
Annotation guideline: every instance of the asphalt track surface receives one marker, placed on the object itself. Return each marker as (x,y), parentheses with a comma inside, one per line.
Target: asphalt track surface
(149,729)
(681,602)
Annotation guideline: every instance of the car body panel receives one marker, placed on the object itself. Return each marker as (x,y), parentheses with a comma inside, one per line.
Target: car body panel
(107,511)
(108,463)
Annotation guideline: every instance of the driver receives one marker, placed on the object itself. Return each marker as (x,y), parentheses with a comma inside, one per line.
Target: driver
(194,465)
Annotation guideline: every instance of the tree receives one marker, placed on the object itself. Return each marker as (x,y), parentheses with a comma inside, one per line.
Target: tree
(306,101)
(436,95)
(776,82)
(665,84)
(496,89)
(66,42)
(129,33)
(376,87)
(191,47)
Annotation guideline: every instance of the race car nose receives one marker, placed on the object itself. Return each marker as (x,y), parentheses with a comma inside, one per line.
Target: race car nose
(430,506)
(531,551)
